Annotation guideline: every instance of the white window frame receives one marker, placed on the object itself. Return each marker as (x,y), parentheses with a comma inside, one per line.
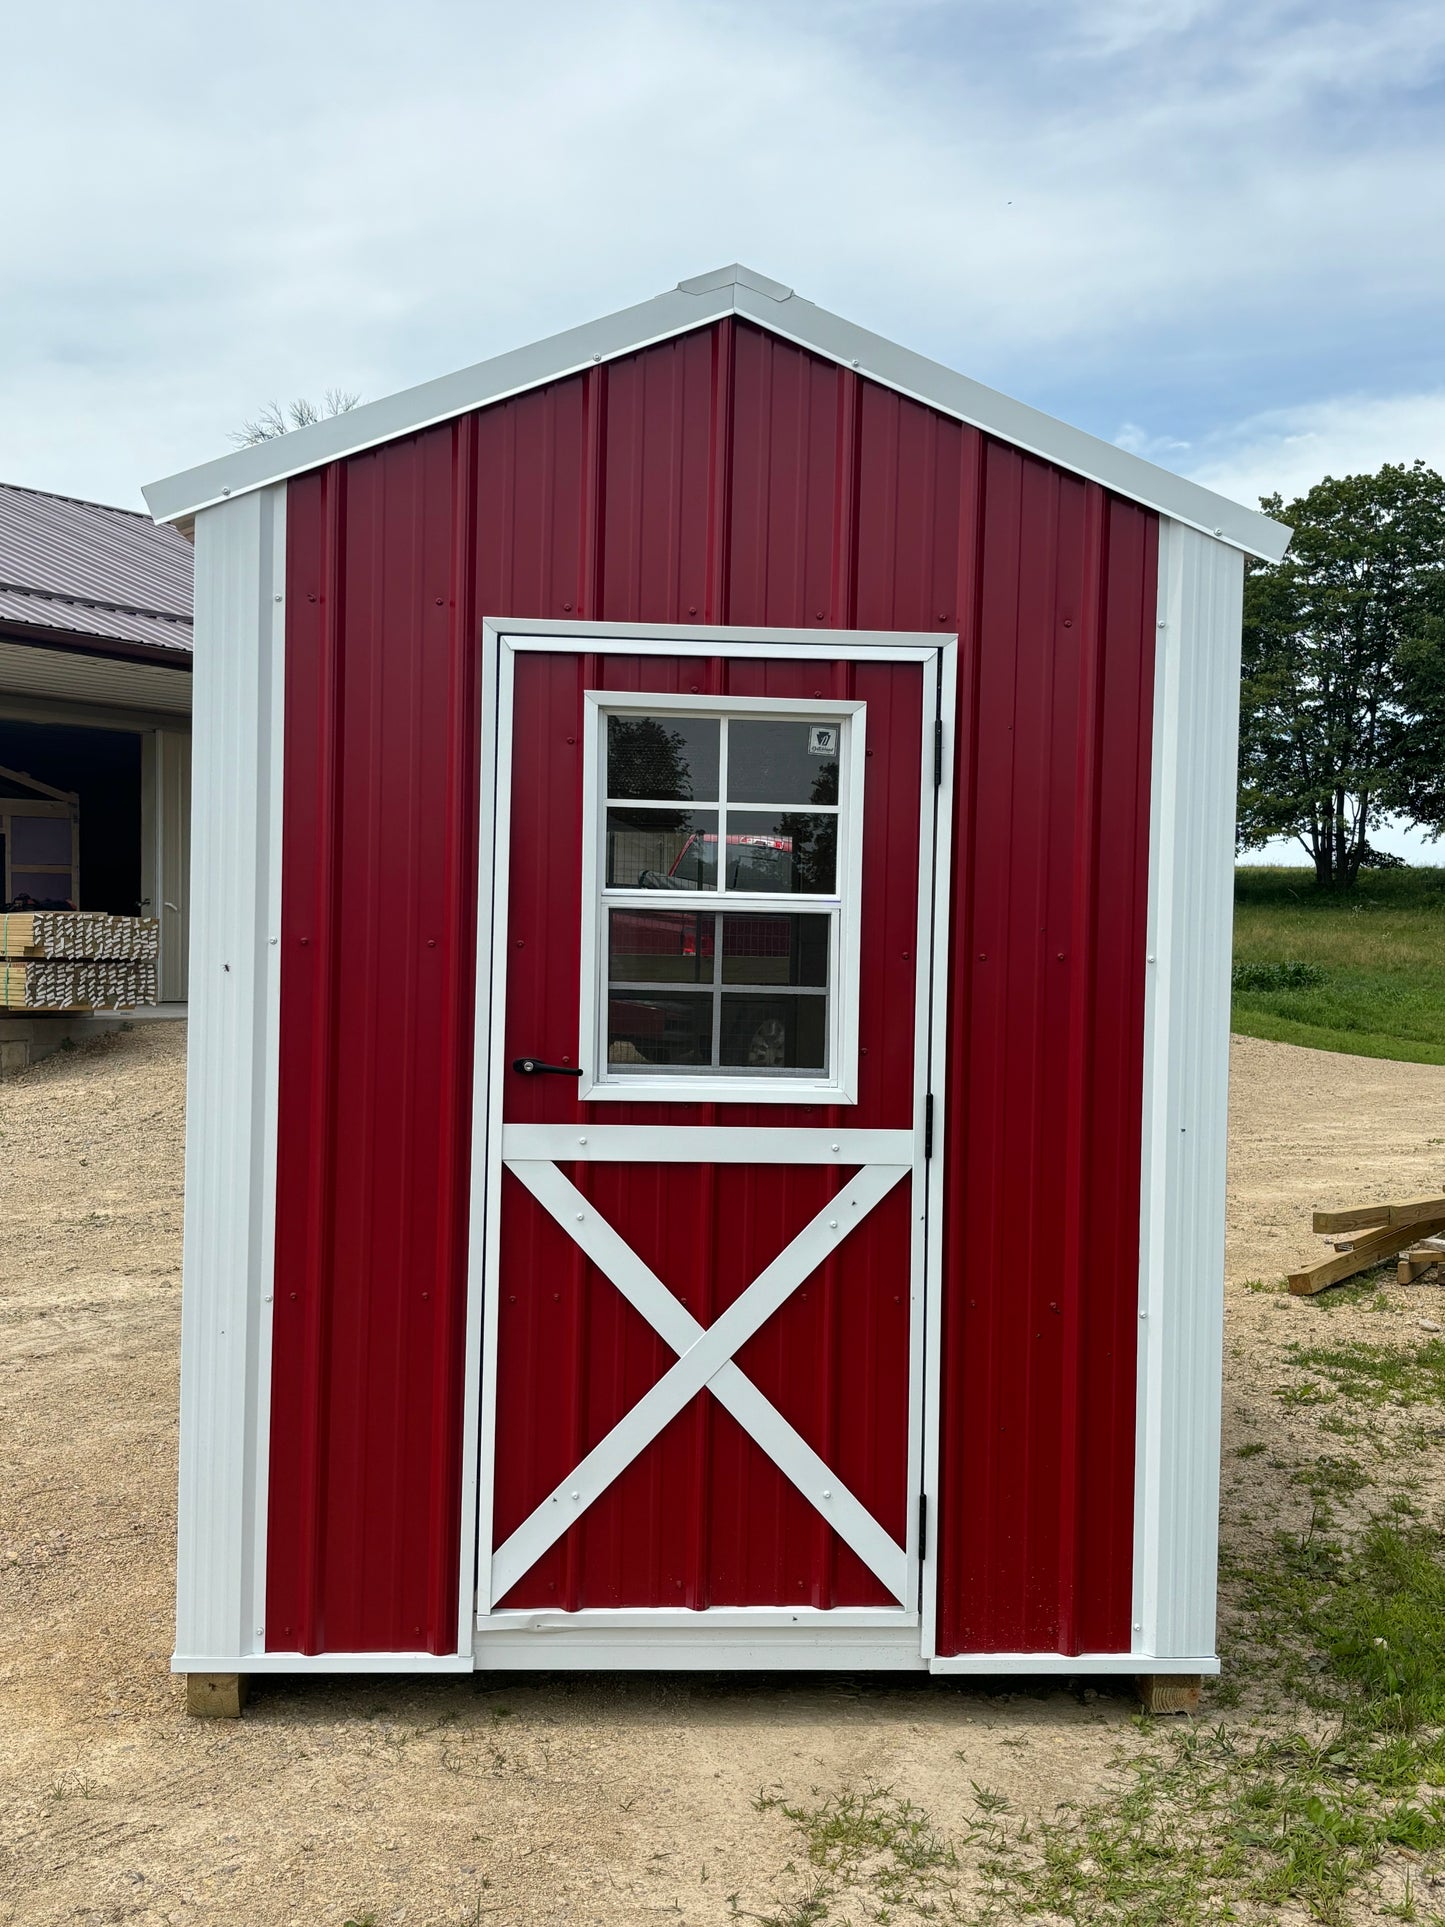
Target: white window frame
(843,907)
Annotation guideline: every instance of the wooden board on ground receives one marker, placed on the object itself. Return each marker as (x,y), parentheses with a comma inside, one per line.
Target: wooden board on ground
(1364,1217)
(1420,1258)
(79,934)
(1370,1249)
(101,984)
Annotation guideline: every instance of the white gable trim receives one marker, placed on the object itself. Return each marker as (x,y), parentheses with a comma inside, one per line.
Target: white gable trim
(695,304)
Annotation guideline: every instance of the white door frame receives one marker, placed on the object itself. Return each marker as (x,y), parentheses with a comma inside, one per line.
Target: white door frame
(899,1636)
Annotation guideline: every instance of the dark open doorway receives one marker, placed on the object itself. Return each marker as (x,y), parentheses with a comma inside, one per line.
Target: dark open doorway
(103,767)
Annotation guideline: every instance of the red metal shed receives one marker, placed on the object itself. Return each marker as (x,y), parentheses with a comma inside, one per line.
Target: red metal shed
(713,840)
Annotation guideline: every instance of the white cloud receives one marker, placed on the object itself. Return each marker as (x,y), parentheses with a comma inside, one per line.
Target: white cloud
(1287,450)
(215,208)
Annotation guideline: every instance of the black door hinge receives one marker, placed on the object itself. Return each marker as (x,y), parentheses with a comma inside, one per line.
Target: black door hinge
(928,1125)
(938,752)
(923,1525)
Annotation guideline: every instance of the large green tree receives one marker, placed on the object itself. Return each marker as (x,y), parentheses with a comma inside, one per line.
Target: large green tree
(1343,700)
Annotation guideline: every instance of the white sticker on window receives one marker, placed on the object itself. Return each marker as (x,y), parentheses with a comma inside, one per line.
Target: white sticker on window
(822,739)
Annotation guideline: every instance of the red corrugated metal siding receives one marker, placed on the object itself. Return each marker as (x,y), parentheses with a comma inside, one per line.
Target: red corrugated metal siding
(702,1517)
(730,477)
(1046,1070)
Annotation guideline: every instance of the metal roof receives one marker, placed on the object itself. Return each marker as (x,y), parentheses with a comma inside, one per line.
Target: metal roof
(694,304)
(88,570)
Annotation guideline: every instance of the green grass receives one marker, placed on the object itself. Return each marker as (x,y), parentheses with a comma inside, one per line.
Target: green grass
(1359,971)
(1206,1823)
(1213,1823)
(1377,1374)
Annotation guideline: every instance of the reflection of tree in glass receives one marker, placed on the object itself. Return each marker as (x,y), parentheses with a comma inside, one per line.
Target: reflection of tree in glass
(825,784)
(815,851)
(645,758)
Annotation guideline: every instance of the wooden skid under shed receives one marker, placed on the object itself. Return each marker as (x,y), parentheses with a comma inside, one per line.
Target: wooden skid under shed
(79,934)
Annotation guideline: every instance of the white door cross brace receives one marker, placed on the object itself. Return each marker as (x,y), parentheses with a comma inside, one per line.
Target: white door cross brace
(704,1358)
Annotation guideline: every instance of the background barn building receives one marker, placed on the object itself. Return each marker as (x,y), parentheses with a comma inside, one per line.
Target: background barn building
(709,1050)
(95,709)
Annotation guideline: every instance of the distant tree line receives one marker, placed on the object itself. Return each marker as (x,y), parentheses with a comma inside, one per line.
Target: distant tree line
(1342,718)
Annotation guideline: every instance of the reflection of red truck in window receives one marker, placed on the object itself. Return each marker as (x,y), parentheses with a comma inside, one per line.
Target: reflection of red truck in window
(755,862)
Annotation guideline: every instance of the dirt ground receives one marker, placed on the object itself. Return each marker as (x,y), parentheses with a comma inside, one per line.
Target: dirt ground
(608,1800)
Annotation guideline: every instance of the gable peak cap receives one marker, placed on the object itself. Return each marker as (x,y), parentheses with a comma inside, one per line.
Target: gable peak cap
(735,275)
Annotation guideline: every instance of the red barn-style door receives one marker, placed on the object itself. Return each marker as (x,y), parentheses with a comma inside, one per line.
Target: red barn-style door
(702,1201)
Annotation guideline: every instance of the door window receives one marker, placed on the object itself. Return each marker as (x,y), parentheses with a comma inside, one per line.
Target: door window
(721,912)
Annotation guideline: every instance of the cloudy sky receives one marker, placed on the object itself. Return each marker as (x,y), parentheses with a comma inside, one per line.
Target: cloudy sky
(1209,232)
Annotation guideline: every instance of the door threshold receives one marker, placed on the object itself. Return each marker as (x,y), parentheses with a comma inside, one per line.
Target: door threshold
(808,1646)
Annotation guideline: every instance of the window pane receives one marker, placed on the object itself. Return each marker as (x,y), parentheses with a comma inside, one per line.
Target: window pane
(46,886)
(671,1029)
(660,947)
(668,757)
(777,850)
(775,950)
(775,1033)
(661,849)
(40,839)
(783,762)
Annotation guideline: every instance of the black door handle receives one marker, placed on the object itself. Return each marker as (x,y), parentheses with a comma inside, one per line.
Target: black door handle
(534,1067)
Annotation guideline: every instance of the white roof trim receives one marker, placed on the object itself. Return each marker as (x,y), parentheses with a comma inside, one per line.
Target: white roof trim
(693,304)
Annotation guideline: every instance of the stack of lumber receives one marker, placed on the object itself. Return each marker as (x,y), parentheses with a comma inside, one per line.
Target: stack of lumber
(76,960)
(79,934)
(1366,1235)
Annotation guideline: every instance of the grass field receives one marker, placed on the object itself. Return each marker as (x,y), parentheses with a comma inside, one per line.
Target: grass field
(1362,972)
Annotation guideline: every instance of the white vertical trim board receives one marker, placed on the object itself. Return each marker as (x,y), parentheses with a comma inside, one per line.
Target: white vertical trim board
(166,851)
(933,967)
(1186,1087)
(231,1080)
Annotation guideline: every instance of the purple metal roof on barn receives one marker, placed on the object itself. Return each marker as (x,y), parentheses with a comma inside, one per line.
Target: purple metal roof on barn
(83,569)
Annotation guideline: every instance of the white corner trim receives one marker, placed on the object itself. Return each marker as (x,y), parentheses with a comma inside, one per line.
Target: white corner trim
(695,304)
(231,1079)
(1186,1089)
